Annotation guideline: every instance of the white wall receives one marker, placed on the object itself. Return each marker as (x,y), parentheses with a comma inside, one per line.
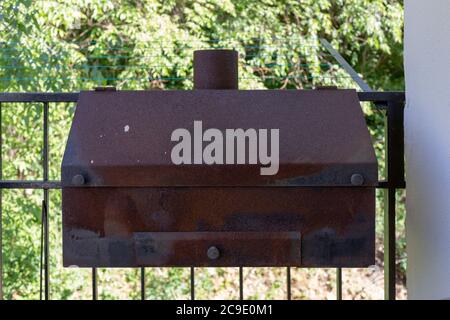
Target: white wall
(427,147)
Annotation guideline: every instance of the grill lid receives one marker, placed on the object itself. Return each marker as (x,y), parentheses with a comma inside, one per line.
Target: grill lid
(124,138)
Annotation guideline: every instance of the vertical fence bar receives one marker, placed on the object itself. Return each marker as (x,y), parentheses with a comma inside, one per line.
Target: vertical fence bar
(94,284)
(142,283)
(394,148)
(192,283)
(46,221)
(1,207)
(338,283)
(241,283)
(389,244)
(41,253)
(288,282)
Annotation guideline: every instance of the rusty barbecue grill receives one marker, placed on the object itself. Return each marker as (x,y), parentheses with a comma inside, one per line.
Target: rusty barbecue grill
(127,204)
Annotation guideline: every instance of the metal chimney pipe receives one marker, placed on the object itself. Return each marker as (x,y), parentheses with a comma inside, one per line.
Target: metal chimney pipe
(215,69)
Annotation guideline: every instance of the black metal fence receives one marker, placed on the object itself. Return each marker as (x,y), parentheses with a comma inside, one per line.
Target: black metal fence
(391,102)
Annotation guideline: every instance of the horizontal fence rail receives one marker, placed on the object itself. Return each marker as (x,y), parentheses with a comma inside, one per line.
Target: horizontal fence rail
(391,102)
(370,96)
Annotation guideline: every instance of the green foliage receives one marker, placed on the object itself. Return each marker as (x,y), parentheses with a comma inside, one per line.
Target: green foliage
(65,45)
(55,45)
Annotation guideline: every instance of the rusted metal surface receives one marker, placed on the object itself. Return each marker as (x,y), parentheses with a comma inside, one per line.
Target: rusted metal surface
(102,225)
(122,139)
(126,204)
(215,69)
(217,248)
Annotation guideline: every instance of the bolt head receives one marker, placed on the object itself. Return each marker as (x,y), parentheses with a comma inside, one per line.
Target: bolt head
(78,180)
(213,253)
(357,179)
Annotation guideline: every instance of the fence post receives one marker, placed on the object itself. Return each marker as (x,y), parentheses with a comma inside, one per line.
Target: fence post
(394,166)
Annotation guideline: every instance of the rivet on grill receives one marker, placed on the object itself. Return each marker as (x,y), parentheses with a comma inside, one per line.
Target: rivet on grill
(357,179)
(213,253)
(78,180)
